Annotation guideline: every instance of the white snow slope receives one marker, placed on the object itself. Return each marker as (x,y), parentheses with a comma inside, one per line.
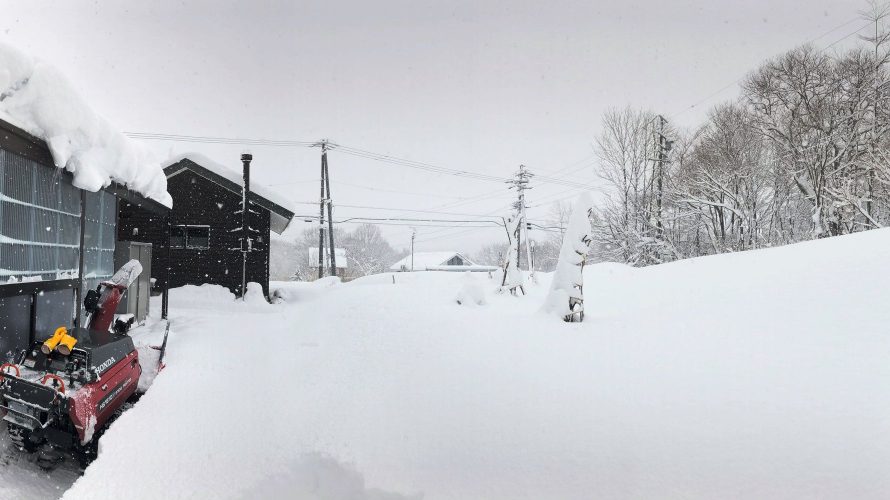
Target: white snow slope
(759,375)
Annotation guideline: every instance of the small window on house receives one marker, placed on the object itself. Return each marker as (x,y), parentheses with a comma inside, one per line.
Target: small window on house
(191,237)
(177,237)
(198,237)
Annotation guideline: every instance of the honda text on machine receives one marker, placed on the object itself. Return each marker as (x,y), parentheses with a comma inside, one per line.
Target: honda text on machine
(62,392)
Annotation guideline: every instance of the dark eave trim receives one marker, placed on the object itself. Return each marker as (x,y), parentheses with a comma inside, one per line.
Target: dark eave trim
(137,199)
(32,287)
(16,140)
(189,164)
(21,143)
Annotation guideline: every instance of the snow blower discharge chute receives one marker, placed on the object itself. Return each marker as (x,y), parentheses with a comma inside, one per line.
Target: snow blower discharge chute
(63,391)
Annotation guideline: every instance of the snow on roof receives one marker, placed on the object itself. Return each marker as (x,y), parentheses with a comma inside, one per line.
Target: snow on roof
(339,253)
(426,260)
(37,98)
(234,175)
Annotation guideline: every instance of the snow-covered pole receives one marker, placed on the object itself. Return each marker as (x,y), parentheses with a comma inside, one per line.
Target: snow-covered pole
(520,183)
(245,246)
(566,296)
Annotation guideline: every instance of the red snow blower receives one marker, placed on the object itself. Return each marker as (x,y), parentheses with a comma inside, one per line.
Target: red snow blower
(64,391)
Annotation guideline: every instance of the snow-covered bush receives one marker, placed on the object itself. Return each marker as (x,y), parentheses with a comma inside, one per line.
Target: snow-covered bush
(470,293)
(255,295)
(566,297)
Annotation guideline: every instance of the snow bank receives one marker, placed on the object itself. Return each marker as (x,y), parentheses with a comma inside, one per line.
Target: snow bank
(294,292)
(748,375)
(39,99)
(254,295)
(206,295)
(314,476)
(471,292)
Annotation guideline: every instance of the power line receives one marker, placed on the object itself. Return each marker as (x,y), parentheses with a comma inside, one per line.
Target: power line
(402,221)
(218,140)
(811,40)
(424,240)
(503,207)
(369,188)
(361,153)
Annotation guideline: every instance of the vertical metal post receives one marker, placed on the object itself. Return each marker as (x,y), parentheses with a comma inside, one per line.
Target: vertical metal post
(245,222)
(168,261)
(413,234)
(78,292)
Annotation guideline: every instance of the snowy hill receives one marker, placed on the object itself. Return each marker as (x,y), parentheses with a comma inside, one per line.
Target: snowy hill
(752,375)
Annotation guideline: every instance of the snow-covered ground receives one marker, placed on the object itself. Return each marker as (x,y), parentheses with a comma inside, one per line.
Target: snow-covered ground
(751,375)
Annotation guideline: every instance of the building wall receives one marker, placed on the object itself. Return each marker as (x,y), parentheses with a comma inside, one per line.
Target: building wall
(40,236)
(198,201)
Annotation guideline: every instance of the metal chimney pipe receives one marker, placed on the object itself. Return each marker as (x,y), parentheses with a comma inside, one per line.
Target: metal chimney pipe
(245,231)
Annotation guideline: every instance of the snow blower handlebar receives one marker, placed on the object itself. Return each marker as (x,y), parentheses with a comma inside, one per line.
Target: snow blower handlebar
(4,366)
(61,383)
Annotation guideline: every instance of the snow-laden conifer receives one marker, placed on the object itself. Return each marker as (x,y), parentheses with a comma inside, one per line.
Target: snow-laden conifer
(566,297)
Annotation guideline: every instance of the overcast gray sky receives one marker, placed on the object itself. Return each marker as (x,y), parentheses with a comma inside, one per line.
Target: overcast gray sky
(473,85)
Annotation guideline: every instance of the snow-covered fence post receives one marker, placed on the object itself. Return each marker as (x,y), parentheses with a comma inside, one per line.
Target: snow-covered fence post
(566,296)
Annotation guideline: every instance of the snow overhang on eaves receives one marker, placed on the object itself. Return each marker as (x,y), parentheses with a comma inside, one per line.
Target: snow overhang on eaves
(279,217)
(21,143)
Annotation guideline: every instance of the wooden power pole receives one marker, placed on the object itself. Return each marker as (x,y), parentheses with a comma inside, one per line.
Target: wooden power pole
(325,200)
(520,183)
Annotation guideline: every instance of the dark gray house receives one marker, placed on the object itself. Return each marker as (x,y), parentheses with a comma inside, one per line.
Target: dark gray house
(205,227)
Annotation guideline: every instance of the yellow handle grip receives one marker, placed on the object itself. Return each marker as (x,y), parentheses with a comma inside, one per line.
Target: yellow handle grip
(51,343)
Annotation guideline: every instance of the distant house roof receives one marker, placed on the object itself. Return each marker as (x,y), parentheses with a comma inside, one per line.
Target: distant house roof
(339,253)
(281,210)
(436,261)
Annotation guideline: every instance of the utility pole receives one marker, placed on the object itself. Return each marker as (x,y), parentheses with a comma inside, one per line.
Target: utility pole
(663,145)
(327,182)
(413,234)
(321,217)
(520,183)
(877,14)
(325,200)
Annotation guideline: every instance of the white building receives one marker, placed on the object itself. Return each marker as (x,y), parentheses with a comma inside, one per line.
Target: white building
(438,261)
(339,254)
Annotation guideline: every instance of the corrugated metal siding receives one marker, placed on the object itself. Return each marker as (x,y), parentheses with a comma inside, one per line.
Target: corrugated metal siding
(39,220)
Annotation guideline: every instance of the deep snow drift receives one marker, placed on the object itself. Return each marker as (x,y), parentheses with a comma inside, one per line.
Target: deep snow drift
(752,375)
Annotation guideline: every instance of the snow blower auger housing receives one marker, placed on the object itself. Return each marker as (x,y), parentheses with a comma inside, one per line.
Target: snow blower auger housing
(64,390)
